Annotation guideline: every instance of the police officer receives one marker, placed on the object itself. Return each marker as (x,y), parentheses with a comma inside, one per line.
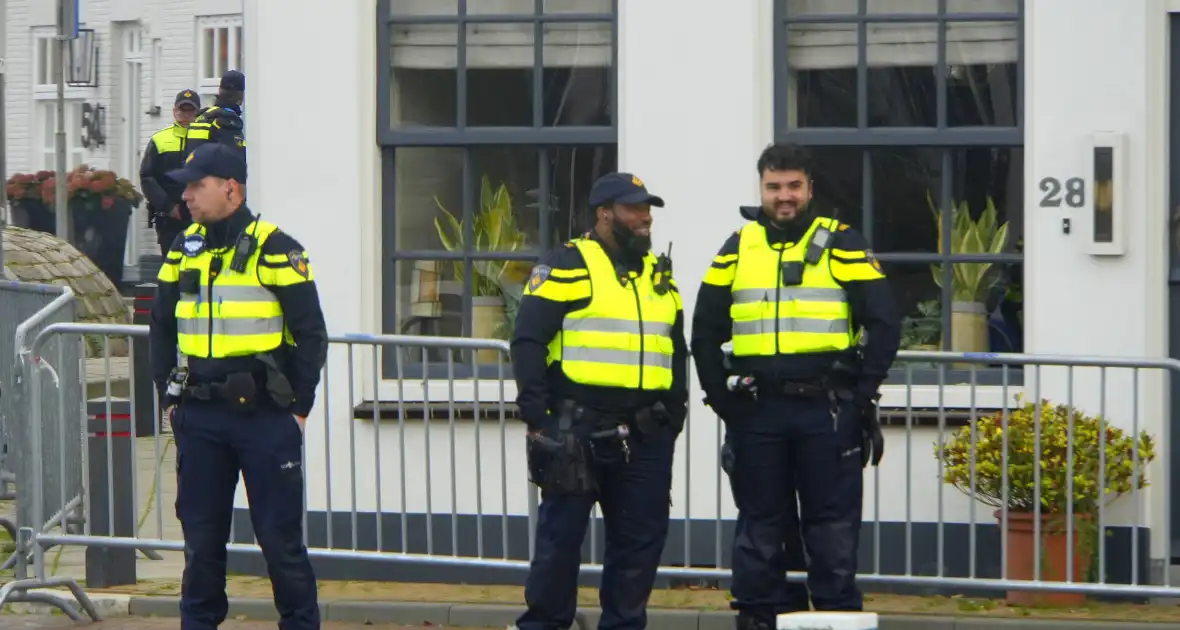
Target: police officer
(601,369)
(222,123)
(792,290)
(165,152)
(237,299)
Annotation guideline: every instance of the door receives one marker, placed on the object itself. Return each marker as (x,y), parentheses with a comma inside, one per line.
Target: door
(133,108)
(1174,268)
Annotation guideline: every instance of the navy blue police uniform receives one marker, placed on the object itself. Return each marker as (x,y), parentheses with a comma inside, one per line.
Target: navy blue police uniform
(222,123)
(166,152)
(237,303)
(808,425)
(598,345)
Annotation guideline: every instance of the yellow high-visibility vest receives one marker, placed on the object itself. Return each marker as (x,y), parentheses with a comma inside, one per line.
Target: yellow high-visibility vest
(770,319)
(169,140)
(623,338)
(233,314)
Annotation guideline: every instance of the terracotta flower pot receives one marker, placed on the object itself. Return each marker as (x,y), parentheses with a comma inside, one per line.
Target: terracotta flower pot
(1022,544)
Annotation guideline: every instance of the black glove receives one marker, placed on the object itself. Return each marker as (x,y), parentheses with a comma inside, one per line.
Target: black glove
(872,445)
(545,425)
(674,414)
(729,406)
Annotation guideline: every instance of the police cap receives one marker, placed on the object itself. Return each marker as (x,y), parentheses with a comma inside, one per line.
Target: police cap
(621,188)
(212,160)
(233,80)
(188,97)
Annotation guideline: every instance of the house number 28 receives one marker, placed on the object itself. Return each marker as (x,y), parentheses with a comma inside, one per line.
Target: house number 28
(1073,191)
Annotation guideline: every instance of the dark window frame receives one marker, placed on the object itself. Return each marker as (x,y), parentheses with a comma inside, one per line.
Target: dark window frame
(537,137)
(941,135)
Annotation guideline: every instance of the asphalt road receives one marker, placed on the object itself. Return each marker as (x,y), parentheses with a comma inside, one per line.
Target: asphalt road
(31,622)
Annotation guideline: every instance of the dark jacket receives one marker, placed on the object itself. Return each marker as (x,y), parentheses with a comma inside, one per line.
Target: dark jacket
(217,124)
(300,303)
(871,302)
(164,152)
(540,386)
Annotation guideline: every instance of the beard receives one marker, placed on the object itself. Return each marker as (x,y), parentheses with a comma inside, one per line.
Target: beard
(802,213)
(629,242)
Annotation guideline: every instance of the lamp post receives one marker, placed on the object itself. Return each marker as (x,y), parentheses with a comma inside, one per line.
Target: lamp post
(67,30)
(3,135)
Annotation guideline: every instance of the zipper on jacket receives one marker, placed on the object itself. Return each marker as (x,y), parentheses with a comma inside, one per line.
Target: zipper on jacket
(778,287)
(639,314)
(211,307)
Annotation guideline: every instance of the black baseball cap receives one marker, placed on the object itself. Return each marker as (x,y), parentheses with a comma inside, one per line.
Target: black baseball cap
(233,80)
(621,188)
(188,97)
(211,160)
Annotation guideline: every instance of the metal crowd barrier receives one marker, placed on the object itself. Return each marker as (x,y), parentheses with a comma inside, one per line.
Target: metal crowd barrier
(483,470)
(62,393)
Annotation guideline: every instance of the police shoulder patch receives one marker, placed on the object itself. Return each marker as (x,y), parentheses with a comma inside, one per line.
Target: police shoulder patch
(193,245)
(298,262)
(539,276)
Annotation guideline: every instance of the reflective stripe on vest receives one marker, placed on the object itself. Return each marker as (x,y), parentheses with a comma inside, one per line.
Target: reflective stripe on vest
(623,338)
(232,315)
(770,319)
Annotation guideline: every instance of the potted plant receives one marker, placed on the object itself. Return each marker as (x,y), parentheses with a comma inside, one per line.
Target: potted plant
(1101,453)
(100,204)
(970,282)
(27,199)
(497,284)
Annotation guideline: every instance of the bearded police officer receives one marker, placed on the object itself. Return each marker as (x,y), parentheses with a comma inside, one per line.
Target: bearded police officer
(792,291)
(601,369)
(237,300)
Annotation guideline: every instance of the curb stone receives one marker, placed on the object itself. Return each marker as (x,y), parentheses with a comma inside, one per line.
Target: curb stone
(500,616)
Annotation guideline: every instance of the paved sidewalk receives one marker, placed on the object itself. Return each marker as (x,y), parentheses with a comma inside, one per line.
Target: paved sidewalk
(30,622)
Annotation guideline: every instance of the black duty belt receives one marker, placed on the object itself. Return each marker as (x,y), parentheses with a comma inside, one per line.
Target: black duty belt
(238,389)
(796,388)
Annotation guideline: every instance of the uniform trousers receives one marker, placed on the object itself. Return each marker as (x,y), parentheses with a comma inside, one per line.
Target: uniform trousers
(788,449)
(634,496)
(214,443)
(796,597)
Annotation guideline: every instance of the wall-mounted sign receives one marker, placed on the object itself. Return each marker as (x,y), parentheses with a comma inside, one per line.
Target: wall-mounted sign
(93,121)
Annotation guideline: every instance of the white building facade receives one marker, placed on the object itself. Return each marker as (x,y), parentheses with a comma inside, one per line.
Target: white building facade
(991,101)
(147,52)
(908,105)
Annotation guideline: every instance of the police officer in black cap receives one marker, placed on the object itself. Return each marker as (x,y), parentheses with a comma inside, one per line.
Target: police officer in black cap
(222,123)
(166,152)
(237,301)
(601,369)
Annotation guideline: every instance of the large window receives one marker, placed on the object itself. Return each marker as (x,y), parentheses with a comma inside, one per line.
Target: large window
(495,117)
(47,126)
(44,147)
(220,48)
(913,109)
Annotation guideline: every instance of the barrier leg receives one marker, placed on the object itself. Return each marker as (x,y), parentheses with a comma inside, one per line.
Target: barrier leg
(22,590)
(141,369)
(112,507)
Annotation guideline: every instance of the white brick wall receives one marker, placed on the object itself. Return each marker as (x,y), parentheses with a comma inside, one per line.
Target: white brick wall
(169,25)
